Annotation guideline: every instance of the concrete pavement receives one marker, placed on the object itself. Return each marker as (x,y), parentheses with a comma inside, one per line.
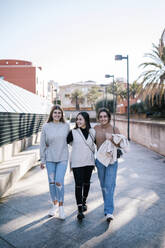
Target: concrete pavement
(139,209)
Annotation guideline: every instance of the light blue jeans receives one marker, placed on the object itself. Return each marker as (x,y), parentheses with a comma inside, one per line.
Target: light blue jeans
(107,177)
(56,172)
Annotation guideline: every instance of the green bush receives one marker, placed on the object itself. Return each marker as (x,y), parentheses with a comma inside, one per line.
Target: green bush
(138,108)
(105,104)
(152,108)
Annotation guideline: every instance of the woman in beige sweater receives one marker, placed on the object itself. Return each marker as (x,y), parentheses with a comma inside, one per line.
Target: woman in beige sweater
(54,153)
(107,175)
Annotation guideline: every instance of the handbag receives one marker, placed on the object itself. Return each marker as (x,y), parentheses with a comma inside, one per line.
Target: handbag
(119,153)
(119,150)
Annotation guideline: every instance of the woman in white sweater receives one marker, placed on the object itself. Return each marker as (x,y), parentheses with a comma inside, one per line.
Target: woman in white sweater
(82,159)
(54,153)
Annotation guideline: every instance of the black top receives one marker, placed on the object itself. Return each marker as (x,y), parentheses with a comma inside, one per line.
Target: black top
(84,131)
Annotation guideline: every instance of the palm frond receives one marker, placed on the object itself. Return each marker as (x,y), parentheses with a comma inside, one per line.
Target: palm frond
(153,77)
(150,64)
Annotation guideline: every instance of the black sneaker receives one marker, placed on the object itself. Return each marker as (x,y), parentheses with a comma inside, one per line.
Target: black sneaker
(80,216)
(84,208)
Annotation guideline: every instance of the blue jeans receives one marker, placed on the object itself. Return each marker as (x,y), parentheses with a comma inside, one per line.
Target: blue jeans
(107,177)
(56,172)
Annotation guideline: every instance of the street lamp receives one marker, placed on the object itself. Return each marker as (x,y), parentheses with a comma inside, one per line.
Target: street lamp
(109,76)
(104,94)
(120,57)
(55,99)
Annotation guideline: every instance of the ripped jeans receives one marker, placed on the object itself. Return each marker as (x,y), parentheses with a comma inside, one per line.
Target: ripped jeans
(107,178)
(56,172)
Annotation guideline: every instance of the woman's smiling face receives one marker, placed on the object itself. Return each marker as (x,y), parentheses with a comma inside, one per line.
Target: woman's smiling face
(56,115)
(103,118)
(80,121)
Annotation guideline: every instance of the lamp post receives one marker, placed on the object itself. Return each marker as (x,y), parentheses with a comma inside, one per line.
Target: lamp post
(55,97)
(103,95)
(120,57)
(109,76)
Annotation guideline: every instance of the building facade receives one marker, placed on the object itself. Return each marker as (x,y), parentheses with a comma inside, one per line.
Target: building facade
(66,95)
(53,92)
(23,74)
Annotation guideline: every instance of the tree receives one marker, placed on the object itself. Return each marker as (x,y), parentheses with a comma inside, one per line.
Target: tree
(134,89)
(77,98)
(119,90)
(153,79)
(105,103)
(92,95)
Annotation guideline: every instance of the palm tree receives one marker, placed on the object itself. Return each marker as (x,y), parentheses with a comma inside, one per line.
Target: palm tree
(162,45)
(153,79)
(92,95)
(134,89)
(119,90)
(77,98)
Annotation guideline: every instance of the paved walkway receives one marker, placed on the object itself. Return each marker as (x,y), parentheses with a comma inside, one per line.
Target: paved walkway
(139,212)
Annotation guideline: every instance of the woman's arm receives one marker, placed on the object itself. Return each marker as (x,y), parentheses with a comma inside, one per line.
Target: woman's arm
(92,133)
(43,148)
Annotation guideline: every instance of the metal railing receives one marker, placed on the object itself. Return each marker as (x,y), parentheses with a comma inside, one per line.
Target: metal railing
(16,126)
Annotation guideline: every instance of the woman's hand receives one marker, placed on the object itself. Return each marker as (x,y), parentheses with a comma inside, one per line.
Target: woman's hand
(42,166)
(108,136)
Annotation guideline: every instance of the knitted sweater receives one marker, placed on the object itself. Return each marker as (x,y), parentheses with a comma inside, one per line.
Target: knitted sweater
(53,145)
(101,133)
(82,149)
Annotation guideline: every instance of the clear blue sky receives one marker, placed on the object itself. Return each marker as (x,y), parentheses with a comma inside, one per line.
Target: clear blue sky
(76,40)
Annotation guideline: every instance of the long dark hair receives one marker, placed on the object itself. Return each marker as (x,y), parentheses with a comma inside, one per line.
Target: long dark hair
(106,111)
(50,118)
(85,115)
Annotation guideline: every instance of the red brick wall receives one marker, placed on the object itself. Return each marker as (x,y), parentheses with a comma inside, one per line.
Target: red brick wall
(19,72)
(23,77)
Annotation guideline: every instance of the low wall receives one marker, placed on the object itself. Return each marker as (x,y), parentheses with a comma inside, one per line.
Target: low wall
(9,150)
(148,133)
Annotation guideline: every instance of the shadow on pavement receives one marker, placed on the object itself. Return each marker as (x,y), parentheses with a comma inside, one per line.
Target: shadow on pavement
(139,209)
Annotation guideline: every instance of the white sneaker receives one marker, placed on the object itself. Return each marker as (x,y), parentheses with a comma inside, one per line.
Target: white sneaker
(61,213)
(53,210)
(109,217)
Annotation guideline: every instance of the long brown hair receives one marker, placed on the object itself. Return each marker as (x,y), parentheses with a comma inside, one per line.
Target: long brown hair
(50,118)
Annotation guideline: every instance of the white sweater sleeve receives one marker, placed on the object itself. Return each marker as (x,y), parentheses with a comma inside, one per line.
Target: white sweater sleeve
(43,146)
